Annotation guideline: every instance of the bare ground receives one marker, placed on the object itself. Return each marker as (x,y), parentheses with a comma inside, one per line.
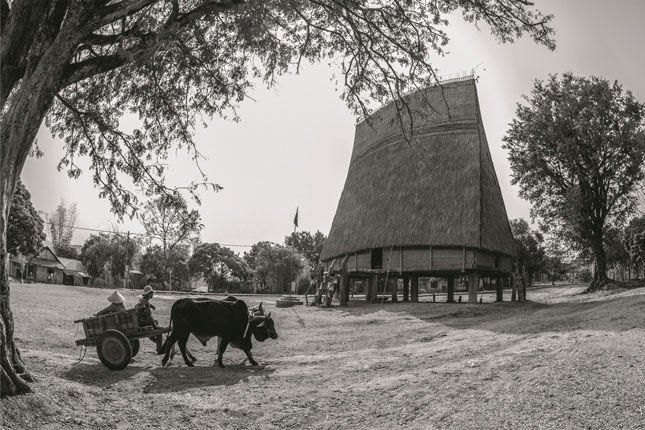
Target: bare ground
(562,360)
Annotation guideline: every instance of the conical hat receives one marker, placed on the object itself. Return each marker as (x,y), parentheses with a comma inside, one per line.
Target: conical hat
(147,289)
(116,297)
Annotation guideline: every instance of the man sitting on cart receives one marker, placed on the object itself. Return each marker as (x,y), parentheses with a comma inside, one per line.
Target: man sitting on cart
(117,304)
(145,314)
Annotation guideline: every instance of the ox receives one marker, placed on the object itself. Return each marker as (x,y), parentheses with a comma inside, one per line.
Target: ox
(228,319)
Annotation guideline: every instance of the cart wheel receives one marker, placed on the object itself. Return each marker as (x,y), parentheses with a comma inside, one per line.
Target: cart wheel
(114,350)
(135,347)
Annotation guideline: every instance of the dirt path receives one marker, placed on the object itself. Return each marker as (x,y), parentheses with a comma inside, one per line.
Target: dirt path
(561,361)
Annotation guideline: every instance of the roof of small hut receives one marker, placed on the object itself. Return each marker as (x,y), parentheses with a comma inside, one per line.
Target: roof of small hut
(439,189)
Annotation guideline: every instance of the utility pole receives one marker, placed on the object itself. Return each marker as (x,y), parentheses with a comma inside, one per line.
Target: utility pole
(126,270)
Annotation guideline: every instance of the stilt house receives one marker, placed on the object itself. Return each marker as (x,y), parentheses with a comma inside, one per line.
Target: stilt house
(430,206)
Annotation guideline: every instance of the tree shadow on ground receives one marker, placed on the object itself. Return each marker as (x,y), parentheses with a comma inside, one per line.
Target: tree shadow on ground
(163,379)
(176,379)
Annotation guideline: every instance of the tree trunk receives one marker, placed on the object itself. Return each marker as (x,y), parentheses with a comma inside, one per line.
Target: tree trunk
(600,263)
(11,364)
(18,128)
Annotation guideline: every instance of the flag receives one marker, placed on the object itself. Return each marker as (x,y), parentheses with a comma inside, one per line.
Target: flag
(295,219)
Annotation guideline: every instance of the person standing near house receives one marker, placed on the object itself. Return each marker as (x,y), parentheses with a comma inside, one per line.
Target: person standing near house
(50,277)
(117,304)
(144,314)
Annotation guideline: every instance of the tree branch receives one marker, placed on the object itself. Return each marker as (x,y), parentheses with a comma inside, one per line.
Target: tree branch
(120,10)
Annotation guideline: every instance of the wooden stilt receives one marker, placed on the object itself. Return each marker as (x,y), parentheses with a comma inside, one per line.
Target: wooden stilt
(499,284)
(473,284)
(406,289)
(414,289)
(451,290)
(374,289)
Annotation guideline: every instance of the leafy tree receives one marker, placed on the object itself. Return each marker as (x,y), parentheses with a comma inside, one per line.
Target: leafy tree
(251,257)
(96,252)
(61,226)
(219,266)
(616,253)
(159,264)
(25,228)
(529,246)
(577,149)
(168,220)
(67,252)
(114,251)
(554,259)
(277,266)
(307,244)
(82,66)
(634,240)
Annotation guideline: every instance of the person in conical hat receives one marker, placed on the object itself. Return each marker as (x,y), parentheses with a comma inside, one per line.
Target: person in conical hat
(117,304)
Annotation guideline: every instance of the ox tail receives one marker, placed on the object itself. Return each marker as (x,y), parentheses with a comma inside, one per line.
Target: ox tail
(172,312)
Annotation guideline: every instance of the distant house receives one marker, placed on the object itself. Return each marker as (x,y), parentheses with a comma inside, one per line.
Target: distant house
(63,270)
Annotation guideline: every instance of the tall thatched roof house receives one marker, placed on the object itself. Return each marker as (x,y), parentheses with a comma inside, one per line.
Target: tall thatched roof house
(429,206)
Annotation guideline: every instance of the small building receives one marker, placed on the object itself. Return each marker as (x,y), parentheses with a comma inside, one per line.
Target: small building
(65,271)
(425,207)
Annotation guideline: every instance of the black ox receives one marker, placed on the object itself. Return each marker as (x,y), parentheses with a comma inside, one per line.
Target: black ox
(229,319)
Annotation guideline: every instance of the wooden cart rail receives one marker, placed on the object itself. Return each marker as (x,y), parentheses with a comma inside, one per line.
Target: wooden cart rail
(96,326)
(139,333)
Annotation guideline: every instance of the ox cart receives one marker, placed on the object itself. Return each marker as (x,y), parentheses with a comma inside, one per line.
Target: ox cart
(116,336)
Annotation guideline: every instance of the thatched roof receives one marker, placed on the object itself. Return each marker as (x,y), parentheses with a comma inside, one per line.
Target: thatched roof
(440,190)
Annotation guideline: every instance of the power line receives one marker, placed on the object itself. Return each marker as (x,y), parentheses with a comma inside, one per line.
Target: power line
(124,233)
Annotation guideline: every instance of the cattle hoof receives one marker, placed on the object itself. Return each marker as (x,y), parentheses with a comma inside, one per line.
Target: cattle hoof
(221,365)
(254,363)
(189,364)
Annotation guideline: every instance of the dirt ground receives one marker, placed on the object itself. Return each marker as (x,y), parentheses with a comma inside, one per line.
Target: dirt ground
(561,361)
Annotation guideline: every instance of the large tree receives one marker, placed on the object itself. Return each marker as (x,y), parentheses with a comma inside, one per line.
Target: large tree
(82,65)
(172,265)
(219,266)
(168,220)
(577,149)
(309,245)
(116,251)
(25,228)
(276,266)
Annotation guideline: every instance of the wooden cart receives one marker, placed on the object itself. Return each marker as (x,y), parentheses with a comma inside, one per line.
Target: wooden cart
(116,337)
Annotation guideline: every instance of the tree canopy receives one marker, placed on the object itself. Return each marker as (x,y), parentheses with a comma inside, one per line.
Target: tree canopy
(168,220)
(307,244)
(577,149)
(157,264)
(273,265)
(25,228)
(219,266)
(103,253)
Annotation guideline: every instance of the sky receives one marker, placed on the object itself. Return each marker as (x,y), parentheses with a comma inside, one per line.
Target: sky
(293,144)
